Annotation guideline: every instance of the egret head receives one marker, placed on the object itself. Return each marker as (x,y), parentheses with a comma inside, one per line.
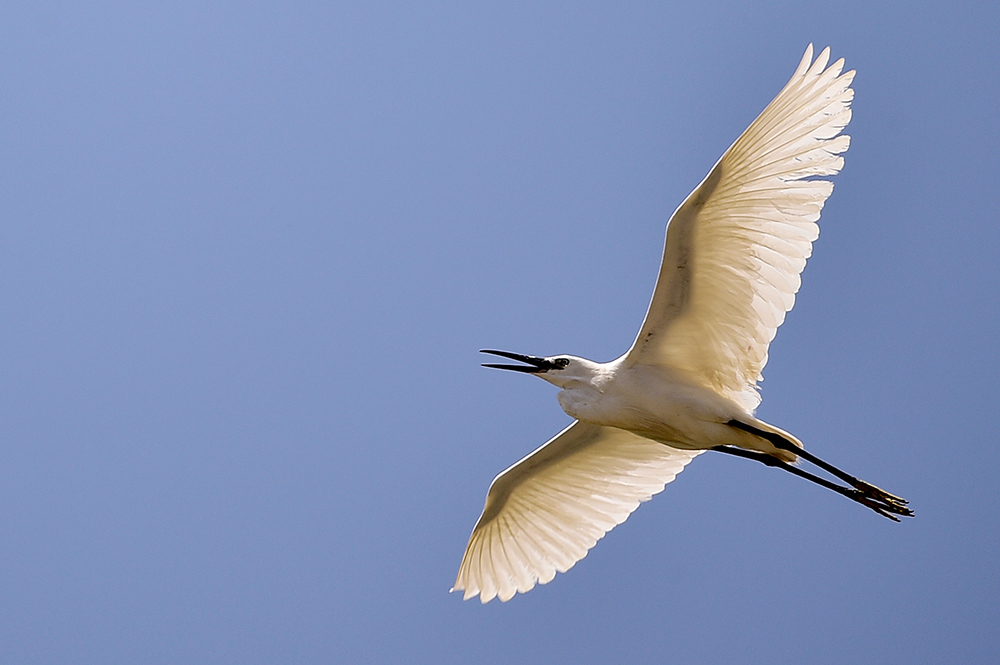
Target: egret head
(559,370)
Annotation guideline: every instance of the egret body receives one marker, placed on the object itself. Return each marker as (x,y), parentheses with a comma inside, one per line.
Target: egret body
(732,258)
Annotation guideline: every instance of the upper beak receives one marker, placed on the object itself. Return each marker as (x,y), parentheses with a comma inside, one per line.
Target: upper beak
(534,364)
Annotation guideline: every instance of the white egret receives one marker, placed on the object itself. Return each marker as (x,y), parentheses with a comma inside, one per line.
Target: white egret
(733,254)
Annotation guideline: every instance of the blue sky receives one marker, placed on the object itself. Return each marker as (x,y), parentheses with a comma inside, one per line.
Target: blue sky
(249,252)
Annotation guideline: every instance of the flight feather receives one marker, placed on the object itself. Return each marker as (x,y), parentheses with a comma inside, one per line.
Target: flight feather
(736,247)
(544,513)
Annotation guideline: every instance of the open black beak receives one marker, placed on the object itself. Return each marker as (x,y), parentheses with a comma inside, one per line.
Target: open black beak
(533,364)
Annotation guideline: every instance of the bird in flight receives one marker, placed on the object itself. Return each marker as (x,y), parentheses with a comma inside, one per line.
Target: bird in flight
(731,263)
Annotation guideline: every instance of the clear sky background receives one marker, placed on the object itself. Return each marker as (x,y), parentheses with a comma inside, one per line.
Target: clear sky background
(249,251)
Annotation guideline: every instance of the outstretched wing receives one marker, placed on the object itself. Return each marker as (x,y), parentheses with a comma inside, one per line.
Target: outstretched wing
(736,246)
(543,514)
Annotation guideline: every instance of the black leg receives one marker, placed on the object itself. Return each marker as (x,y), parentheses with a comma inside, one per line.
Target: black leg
(884,508)
(783,444)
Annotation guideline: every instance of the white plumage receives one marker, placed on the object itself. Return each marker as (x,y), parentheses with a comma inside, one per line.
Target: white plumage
(544,513)
(732,258)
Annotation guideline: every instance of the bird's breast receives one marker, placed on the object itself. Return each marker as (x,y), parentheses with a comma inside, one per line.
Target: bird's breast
(613,407)
(657,407)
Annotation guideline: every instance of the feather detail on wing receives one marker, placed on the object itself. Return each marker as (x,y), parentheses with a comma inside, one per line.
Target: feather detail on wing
(736,247)
(543,514)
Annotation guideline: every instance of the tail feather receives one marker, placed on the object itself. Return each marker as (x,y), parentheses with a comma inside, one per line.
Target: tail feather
(783,442)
